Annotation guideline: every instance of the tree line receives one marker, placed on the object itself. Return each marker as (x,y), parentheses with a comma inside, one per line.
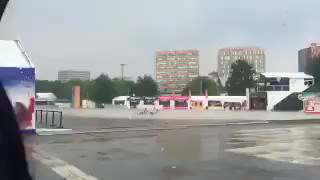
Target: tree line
(102,89)
(241,77)
(313,68)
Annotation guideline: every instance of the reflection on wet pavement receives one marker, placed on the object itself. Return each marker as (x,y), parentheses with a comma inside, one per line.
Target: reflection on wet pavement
(185,145)
(261,152)
(298,145)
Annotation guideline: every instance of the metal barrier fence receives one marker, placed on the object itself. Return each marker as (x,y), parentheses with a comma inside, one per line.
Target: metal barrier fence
(46,114)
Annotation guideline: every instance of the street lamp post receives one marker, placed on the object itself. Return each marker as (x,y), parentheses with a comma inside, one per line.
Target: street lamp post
(122,69)
(201,86)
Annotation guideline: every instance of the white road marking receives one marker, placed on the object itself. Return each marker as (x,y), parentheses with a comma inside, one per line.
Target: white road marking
(51,130)
(62,168)
(69,132)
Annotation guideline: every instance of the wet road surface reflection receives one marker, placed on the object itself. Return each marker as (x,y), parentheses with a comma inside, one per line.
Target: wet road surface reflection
(299,145)
(264,152)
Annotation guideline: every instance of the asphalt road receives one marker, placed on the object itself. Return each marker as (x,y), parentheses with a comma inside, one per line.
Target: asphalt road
(265,151)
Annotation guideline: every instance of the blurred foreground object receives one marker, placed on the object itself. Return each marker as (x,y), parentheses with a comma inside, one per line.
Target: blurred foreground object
(3,5)
(13,164)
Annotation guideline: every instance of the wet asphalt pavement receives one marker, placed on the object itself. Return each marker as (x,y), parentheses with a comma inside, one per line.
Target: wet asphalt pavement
(264,152)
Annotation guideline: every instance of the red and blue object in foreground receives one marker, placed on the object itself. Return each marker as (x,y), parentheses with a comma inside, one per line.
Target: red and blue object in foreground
(13,164)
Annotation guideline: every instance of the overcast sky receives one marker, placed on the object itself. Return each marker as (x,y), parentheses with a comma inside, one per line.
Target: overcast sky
(98,35)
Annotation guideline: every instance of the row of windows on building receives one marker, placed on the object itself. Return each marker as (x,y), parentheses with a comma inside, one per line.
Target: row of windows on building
(245,52)
(175,78)
(174,57)
(178,76)
(256,67)
(174,88)
(174,84)
(261,62)
(176,67)
(178,55)
(177,81)
(226,72)
(177,62)
(256,57)
(176,72)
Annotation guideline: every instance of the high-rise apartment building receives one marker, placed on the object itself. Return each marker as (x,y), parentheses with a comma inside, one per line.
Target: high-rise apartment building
(175,69)
(226,56)
(68,75)
(307,56)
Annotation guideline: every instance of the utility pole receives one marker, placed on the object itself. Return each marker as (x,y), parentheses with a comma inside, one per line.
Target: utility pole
(201,86)
(122,68)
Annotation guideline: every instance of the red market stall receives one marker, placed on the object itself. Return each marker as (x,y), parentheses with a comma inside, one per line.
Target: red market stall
(174,102)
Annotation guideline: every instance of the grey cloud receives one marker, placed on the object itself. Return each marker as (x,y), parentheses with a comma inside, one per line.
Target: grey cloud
(99,35)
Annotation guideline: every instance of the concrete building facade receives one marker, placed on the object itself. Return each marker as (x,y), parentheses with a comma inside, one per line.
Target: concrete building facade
(226,56)
(68,75)
(175,69)
(306,57)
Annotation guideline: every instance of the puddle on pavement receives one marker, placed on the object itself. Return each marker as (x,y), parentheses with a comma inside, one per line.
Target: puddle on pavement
(118,154)
(180,145)
(175,172)
(77,139)
(104,158)
(72,141)
(295,145)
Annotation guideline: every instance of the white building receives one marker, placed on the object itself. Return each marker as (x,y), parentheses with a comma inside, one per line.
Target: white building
(47,98)
(120,100)
(255,56)
(274,87)
(68,75)
(216,102)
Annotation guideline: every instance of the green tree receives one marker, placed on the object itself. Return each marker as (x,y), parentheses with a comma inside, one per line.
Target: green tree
(215,77)
(55,87)
(241,78)
(314,69)
(145,86)
(87,90)
(43,86)
(103,91)
(122,87)
(199,85)
(64,90)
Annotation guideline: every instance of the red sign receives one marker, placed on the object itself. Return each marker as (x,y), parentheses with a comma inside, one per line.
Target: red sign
(175,98)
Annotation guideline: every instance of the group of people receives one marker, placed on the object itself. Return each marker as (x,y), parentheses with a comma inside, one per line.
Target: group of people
(237,106)
(146,111)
